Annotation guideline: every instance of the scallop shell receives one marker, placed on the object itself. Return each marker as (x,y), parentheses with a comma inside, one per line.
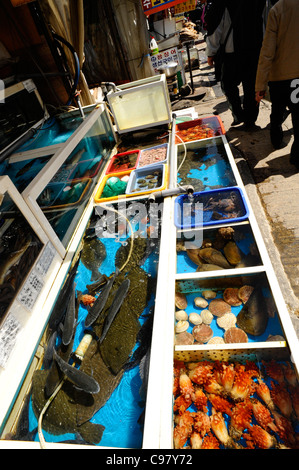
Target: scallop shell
(230,295)
(206,316)
(235,335)
(181,326)
(275,338)
(180,301)
(181,315)
(216,340)
(200,302)
(195,318)
(209,294)
(219,307)
(184,338)
(202,333)
(228,320)
(245,292)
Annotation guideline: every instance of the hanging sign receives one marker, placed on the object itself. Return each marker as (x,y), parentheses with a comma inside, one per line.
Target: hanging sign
(153,6)
(185,6)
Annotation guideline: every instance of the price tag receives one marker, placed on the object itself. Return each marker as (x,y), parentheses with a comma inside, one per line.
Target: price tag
(44,262)
(8,334)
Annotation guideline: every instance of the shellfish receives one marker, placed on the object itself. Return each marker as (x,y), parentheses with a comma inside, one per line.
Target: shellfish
(253,318)
(195,318)
(219,307)
(209,294)
(230,295)
(235,335)
(180,301)
(181,315)
(184,338)
(232,252)
(202,333)
(206,316)
(181,326)
(228,320)
(212,256)
(200,302)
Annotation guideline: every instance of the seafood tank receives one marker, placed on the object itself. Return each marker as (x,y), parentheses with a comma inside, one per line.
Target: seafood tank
(97,343)
(204,165)
(19,248)
(64,197)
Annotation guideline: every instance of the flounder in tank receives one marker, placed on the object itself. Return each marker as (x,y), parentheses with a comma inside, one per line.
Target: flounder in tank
(78,411)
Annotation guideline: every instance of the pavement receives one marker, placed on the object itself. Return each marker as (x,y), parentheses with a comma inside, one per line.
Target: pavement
(271,182)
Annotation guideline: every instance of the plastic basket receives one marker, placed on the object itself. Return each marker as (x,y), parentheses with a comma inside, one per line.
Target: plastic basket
(190,216)
(98,198)
(155,162)
(133,187)
(112,168)
(214,124)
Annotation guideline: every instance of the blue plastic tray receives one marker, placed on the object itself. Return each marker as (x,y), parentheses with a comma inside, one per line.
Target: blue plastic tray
(186,215)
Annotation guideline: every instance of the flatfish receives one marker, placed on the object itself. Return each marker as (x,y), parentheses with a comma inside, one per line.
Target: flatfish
(92,256)
(61,416)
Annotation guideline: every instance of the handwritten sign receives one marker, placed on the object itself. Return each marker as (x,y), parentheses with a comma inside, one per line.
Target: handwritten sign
(163,58)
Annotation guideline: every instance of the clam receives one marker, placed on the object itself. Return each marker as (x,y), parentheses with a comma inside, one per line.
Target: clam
(212,256)
(235,335)
(181,315)
(180,301)
(209,294)
(219,307)
(184,338)
(195,318)
(232,252)
(207,317)
(182,325)
(230,295)
(216,340)
(202,333)
(193,255)
(228,320)
(200,302)
(245,292)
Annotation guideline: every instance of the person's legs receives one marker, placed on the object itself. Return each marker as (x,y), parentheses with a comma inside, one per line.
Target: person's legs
(229,84)
(279,99)
(250,106)
(294,108)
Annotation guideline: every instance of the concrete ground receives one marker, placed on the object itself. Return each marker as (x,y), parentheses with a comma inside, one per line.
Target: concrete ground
(271,182)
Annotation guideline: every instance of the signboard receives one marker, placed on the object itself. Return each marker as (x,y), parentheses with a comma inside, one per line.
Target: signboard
(185,6)
(164,57)
(153,6)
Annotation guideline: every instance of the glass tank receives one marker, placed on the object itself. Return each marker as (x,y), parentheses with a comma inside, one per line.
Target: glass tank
(111,289)
(57,170)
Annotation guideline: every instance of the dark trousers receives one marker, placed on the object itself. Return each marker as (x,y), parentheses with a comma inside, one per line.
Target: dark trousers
(237,70)
(283,96)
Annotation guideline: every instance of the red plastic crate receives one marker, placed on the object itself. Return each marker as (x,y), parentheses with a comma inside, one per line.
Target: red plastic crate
(113,167)
(199,129)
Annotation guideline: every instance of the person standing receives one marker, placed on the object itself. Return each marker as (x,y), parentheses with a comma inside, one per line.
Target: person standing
(241,24)
(278,66)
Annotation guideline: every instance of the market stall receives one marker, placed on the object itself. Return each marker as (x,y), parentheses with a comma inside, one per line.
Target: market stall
(163,271)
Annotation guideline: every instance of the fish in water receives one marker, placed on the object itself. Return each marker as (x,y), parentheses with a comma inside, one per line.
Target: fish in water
(98,306)
(81,380)
(25,168)
(63,298)
(74,158)
(70,318)
(253,318)
(12,259)
(48,356)
(92,256)
(96,286)
(115,306)
(144,338)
